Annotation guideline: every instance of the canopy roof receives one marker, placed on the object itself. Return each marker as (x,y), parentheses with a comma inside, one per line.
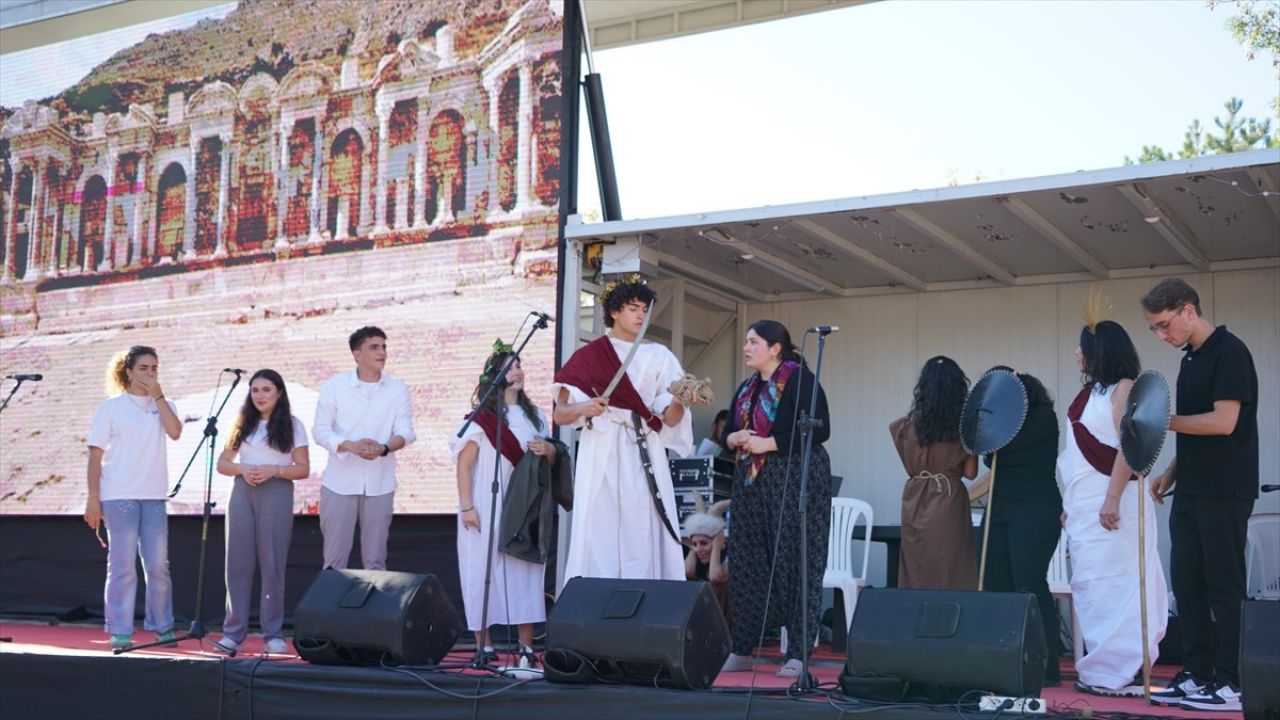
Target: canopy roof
(1212,213)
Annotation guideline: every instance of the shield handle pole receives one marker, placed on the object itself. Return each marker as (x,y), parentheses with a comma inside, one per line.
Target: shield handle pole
(986,523)
(1142,585)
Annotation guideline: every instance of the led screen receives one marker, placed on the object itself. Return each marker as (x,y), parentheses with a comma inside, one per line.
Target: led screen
(248,189)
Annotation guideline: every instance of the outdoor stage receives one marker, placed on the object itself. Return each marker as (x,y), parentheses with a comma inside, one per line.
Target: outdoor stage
(66,671)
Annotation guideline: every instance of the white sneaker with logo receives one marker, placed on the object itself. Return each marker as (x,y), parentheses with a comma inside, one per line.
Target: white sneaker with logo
(1222,697)
(1182,685)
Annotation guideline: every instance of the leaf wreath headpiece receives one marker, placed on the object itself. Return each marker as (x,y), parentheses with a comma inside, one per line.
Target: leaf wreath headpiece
(609,287)
(499,348)
(1097,307)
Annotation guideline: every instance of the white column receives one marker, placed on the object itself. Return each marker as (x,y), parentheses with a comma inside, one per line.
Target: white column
(109,220)
(152,187)
(384,127)
(362,211)
(420,168)
(189,210)
(34,245)
(524,130)
(317,167)
(11,220)
(224,190)
(139,207)
(282,186)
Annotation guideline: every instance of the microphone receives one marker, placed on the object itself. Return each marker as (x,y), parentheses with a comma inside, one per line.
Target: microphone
(824,329)
(33,377)
(543,316)
(1270,488)
(237,371)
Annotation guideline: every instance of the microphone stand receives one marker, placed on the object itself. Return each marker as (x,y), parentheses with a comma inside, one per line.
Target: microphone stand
(197,630)
(5,404)
(805,681)
(498,382)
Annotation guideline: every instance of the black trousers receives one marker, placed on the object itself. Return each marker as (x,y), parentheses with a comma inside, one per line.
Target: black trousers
(758,605)
(1019,550)
(1207,571)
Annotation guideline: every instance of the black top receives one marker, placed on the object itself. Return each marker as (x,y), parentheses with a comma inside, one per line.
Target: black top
(1219,465)
(1025,468)
(798,390)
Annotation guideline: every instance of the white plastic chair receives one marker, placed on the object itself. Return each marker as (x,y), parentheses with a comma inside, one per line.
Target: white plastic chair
(1059,577)
(845,514)
(1264,544)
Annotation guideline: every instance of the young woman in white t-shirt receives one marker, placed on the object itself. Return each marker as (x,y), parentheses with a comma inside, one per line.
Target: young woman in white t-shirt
(266,452)
(128,485)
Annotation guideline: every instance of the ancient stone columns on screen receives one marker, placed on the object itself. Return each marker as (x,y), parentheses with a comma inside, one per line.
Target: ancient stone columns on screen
(428,141)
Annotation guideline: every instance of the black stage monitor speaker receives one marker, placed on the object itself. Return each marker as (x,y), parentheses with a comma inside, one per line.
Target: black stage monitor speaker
(368,617)
(1260,659)
(960,639)
(652,632)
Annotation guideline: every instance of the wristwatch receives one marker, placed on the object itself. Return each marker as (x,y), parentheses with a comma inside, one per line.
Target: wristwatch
(385,450)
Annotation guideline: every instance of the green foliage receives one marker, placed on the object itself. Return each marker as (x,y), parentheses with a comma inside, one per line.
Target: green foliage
(1235,134)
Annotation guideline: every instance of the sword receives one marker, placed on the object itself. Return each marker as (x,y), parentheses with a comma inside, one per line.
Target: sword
(626,362)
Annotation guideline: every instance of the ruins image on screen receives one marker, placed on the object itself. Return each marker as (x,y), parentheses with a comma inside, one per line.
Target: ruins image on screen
(247,191)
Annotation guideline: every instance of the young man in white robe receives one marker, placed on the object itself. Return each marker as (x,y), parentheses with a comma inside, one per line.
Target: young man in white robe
(618,529)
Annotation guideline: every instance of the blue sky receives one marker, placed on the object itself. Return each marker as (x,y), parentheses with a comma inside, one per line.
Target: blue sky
(876,98)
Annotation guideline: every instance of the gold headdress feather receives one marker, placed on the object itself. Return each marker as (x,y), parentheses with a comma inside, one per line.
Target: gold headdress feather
(613,284)
(1097,307)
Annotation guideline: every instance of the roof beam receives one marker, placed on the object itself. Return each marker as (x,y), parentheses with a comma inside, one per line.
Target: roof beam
(866,256)
(1266,186)
(1045,227)
(955,244)
(700,275)
(1165,226)
(782,267)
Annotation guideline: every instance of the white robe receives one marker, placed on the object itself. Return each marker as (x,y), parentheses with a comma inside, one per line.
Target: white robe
(616,531)
(1104,563)
(516,591)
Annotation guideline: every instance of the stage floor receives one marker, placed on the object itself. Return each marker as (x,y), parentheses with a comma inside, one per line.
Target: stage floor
(56,671)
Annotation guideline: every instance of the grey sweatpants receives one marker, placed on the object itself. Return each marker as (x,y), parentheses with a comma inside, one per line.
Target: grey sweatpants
(259,528)
(338,516)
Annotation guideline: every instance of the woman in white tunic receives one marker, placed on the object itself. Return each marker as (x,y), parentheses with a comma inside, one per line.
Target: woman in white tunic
(1101,520)
(617,531)
(516,586)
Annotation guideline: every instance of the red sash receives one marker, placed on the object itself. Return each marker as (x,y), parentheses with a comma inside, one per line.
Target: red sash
(1098,454)
(592,367)
(511,448)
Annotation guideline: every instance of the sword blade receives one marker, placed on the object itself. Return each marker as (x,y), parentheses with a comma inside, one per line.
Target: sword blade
(626,362)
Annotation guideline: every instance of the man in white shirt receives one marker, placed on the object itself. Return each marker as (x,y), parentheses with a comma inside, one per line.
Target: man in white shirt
(362,419)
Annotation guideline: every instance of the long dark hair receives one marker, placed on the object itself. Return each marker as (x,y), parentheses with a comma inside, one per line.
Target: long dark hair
(775,333)
(1109,354)
(1036,392)
(279,425)
(492,367)
(938,400)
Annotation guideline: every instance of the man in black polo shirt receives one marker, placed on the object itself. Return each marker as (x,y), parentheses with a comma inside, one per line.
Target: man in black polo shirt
(1216,470)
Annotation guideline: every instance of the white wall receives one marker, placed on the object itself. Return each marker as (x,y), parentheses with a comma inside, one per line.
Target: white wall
(871,365)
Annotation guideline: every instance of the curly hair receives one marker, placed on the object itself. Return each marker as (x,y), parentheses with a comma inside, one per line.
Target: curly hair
(492,367)
(937,401)
(279,425)
(620,295)
(117,380)
(1109,354)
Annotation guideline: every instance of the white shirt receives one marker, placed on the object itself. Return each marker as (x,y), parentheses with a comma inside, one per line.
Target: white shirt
(134,463)
(256,450)
(349,409)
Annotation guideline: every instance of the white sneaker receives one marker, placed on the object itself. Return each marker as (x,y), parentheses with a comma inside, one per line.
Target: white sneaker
(226,646)
(1217,696)
(1182,685)
(277,646)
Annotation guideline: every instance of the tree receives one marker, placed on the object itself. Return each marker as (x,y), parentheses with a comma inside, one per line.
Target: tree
(1256,26)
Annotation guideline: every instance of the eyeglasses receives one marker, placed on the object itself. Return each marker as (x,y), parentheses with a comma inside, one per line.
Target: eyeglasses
(1163,325)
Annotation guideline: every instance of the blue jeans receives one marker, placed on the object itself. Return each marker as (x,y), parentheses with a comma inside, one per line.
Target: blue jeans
(133,527)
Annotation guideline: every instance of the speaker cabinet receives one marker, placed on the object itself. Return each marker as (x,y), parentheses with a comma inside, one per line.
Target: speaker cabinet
(1260,659)
(664,632)
(950,638)
(367,617)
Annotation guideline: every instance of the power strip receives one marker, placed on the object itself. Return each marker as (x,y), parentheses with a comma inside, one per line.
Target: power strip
(1016,706)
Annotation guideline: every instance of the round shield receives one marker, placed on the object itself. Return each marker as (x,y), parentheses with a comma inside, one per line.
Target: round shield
(1145,421)
(993,412)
